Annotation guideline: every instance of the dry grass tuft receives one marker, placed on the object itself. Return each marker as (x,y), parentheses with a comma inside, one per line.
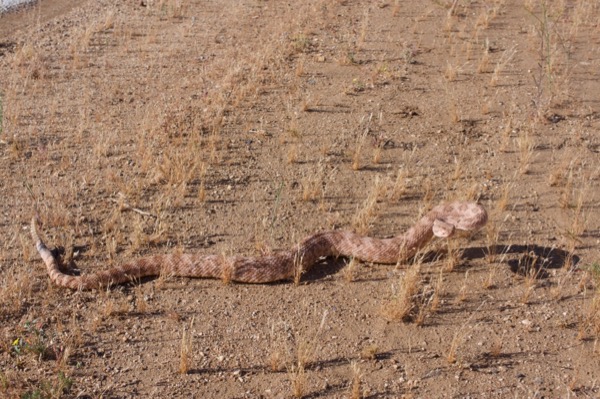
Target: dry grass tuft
(561,175)
(227,269)
(530,264)
(525,148)
(404,304)
(298,380)
(459,337)
(484,62)
(454,255)
(589,324)
(141,303)
(292,154)
(438,292)
(298,270)
(307,349)
(496,346)
(113,305)
(369,352)
(185,354)
(492,235)
(507,55)
(312,184)
(365,124)
(400,186)
(451,72)
(357,155)
(464,289)
(503,201)
(277,359)
(355,386)
(306,352)
(349,272)
(578,225)
(364,218)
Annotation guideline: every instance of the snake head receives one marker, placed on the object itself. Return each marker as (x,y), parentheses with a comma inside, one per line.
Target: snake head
(442,229)
(467,216)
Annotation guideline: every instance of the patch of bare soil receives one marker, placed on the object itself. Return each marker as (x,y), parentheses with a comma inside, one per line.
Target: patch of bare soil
(240,127)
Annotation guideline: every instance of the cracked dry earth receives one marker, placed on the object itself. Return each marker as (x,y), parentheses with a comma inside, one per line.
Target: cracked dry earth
(136,128)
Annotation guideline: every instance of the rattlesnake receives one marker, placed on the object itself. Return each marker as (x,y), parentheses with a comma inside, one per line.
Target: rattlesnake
(441,221)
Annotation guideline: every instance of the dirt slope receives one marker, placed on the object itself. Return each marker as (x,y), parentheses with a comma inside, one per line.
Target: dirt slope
(240,127)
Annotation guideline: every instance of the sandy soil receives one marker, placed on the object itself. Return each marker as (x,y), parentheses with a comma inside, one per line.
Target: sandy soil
(240,127)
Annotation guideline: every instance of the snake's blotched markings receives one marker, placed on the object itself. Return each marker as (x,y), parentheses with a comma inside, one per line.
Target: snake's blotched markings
(442,221)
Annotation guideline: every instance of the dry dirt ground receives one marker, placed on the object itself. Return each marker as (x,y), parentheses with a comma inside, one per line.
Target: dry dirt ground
(240,127)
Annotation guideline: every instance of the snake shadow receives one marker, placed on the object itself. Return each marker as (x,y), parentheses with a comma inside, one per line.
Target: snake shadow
(324,268)
(526,260)
(311,365)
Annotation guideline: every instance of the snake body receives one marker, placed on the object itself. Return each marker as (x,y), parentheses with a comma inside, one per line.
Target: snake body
(441,221)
